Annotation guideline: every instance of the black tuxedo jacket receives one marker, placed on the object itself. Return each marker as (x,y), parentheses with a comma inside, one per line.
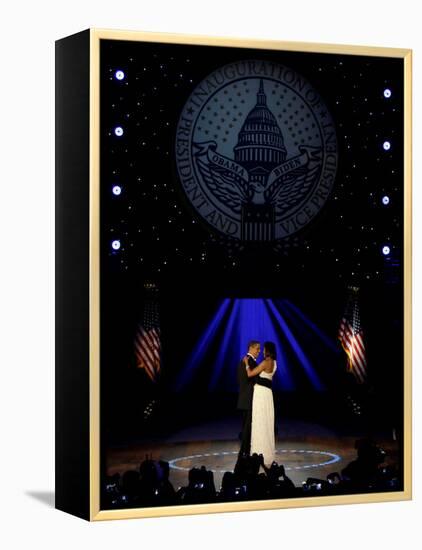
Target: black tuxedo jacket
(246,384)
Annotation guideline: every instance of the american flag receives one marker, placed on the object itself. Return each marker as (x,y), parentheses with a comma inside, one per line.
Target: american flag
(351,337)
(147,341)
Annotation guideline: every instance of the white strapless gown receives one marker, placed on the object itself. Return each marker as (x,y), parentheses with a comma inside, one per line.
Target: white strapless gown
(262,430)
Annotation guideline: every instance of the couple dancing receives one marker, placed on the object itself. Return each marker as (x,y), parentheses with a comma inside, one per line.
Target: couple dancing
(256,401)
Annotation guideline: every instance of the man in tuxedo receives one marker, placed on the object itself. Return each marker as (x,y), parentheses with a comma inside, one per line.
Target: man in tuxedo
(244,402)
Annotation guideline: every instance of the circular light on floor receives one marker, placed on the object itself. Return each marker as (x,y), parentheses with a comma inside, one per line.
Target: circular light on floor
(332,458)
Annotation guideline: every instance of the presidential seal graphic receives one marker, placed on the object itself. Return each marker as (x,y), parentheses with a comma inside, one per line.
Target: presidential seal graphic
(256,151)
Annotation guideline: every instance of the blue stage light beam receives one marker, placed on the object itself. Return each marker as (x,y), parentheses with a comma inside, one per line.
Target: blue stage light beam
(202,346)
(225,356)
(303,360)
(240,321)
(321,348)
(291,310)
(254,323)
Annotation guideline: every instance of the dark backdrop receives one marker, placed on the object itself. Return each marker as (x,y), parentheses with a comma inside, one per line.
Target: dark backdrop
(341,246)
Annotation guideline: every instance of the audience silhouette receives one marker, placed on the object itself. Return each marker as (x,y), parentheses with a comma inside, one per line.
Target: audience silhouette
(151,486)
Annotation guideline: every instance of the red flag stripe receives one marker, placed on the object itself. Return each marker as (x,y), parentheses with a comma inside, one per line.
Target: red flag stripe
(358,345)
(356,340)
(153,342)
(143,350)
(142,355)
(357,362)
(357,349)
(354,347)
(147,344)
(147,351)
(357,358)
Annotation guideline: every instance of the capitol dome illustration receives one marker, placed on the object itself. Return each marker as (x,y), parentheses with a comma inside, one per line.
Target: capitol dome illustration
(260,146)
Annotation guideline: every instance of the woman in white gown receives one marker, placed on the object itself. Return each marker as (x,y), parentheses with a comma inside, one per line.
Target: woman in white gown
(262,430)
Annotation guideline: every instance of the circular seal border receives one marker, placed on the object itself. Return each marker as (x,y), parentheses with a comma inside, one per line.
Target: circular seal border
(306,210)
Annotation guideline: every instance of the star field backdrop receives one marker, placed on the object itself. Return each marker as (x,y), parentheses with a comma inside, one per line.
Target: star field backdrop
(163,241)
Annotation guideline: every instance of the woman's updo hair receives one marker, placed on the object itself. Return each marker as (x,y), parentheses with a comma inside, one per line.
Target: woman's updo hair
(269,350)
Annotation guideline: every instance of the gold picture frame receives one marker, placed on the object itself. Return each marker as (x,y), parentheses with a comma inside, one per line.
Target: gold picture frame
(90,369)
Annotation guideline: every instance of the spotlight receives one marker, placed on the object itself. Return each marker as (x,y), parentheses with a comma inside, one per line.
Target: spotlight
(115,245)
(118,131)
(119,75)
(386,250)
(117,189)
(387,93)
(386,200)
(386,145)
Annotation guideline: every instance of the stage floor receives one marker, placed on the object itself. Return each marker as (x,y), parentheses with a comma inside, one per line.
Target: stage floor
(305,449)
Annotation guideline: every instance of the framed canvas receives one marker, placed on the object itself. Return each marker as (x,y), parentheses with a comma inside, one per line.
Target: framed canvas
(233,274)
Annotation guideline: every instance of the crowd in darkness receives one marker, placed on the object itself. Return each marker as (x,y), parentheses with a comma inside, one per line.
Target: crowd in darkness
(150,485)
